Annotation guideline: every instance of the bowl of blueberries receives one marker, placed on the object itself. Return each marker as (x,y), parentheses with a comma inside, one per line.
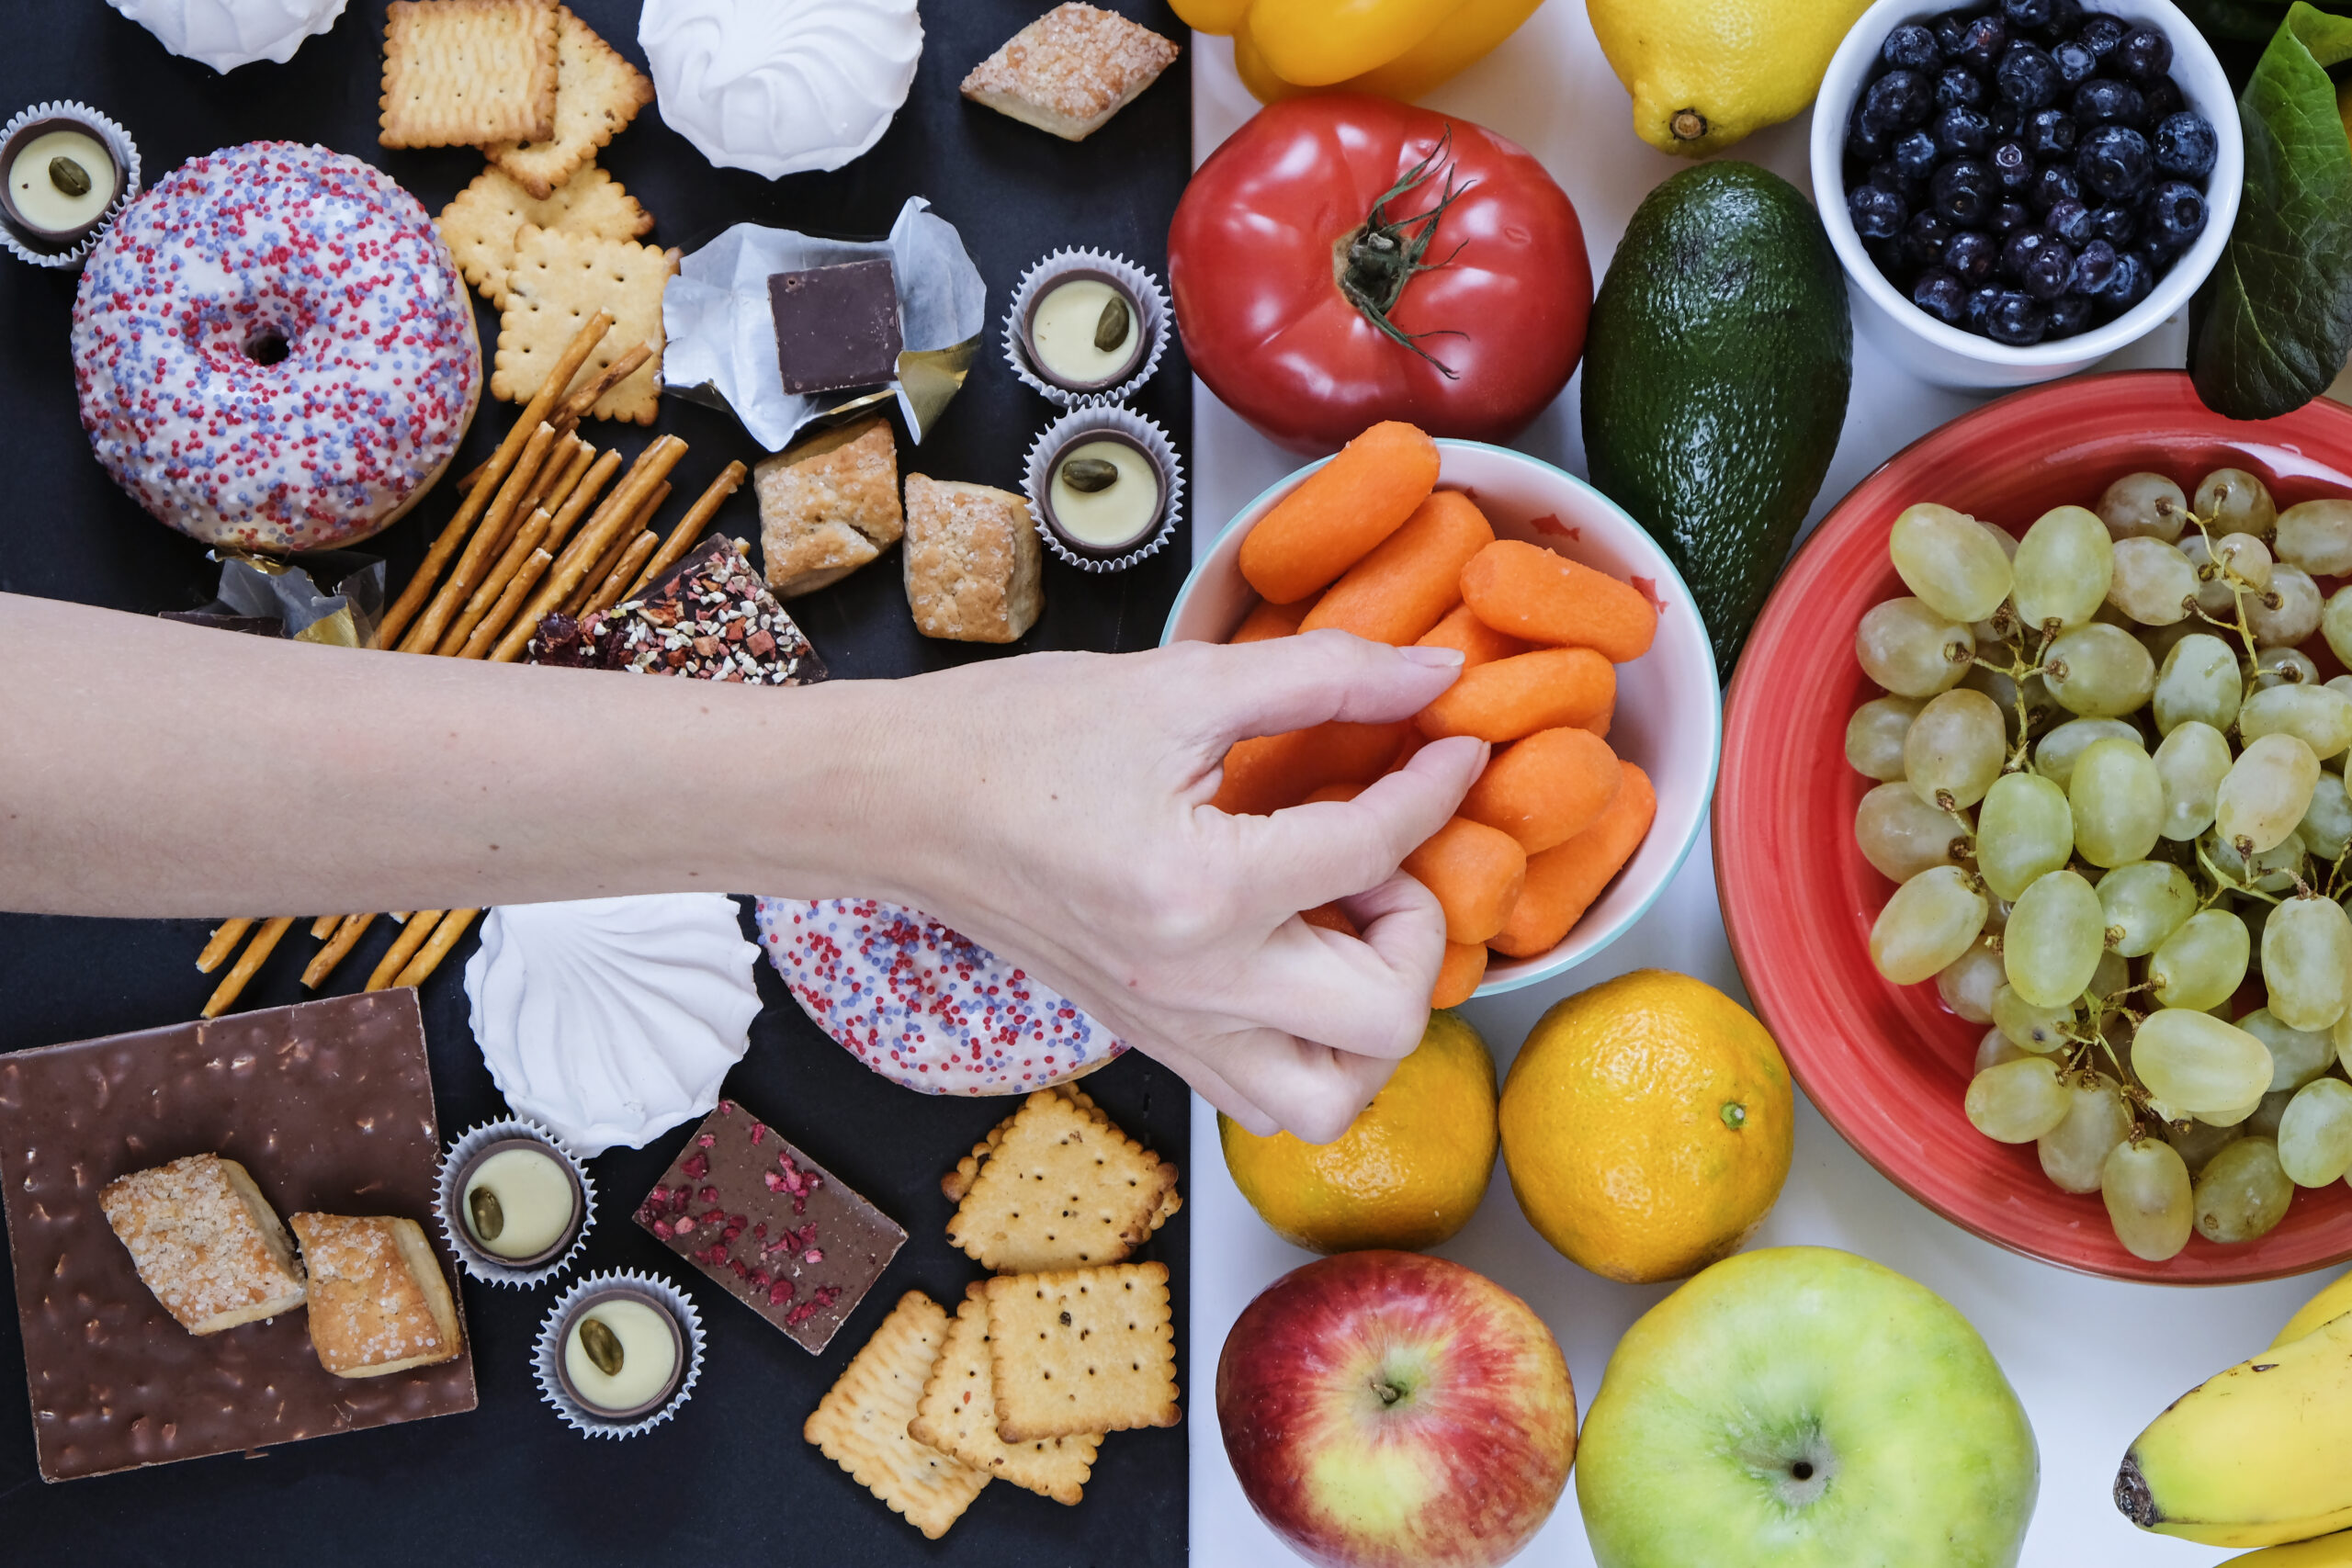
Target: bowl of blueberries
(2020,188)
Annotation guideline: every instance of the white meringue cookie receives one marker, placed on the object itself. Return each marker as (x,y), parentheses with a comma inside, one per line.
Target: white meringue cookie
(226,34)
(781,86)
(612,1019)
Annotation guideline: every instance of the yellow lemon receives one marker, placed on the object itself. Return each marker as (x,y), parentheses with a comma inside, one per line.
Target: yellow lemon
(1407,1174)
(1705,72)
(1646,1126)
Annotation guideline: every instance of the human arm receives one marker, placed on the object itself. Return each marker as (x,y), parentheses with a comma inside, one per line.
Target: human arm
(1053,808)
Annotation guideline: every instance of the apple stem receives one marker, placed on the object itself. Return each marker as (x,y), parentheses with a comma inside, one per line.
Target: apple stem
(1389,1392)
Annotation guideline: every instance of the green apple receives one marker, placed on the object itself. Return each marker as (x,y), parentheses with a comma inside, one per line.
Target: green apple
(1801,1407)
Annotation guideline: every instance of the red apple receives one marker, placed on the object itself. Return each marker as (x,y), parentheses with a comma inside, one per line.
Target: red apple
(1390,1410)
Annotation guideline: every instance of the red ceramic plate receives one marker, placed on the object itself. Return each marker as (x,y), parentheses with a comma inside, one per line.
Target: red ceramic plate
(1888,1065)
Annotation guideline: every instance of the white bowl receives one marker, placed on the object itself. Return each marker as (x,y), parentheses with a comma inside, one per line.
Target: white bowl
(1669,711)
(1946,356)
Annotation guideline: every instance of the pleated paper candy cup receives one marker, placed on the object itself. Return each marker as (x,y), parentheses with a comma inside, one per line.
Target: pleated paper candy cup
(126,154)
(450,1199)
(1150,299)
(547,1355)
(1128,428)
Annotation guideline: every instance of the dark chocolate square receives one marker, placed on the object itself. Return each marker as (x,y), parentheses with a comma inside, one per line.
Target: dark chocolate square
(836,327)
(770,1224)
(329,1105)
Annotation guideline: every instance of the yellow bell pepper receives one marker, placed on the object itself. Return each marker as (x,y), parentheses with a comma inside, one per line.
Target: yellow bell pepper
(1399,49)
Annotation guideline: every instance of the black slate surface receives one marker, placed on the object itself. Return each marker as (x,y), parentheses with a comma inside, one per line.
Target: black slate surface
(730,1481)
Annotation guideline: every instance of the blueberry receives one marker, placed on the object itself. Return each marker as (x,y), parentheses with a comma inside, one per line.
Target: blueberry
(1978,312)
(1941,295)
(2104,101)
(1915,158)
(2054,184)
(2009,218)
(1924,239)
(2071,221)
(2023,14)
(2065,21)
(1887,177)
(2185,145)
(2045,276)
(2145,54)
(2018,250)
(2008,121)
(2116,224)
(2075,62)
(2015,320)
(2069,314)
(1897,102)
(1911,47)
(1963,191)
(2094,272)
(2176,213)
(2012,165)
(2028,78)
(2134,276)
(2163,100)
(1959,87)
(1971,255)
(1981,44)
(1959,131)
(1887,257)
(2049,133)
(1951,27)
(1863,146)
(2102,35)
(2113,161)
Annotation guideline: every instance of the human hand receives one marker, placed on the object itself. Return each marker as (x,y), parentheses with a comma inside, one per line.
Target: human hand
(1054,808)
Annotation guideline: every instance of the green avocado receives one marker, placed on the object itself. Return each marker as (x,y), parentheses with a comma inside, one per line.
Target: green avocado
(1716,378)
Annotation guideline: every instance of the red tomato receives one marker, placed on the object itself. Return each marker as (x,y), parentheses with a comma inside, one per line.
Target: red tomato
(1319,193)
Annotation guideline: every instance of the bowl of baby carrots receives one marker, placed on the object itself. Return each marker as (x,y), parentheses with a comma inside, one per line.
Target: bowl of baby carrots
(1585,664)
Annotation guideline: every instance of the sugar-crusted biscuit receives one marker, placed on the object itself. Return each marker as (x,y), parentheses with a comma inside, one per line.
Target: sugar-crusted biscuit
(464,73)
(557,281)
(829,505)
(598,92)
(1069,70)
(861,1424)
(206,1242)
(973,562)
(379,1301)
(1082,1350)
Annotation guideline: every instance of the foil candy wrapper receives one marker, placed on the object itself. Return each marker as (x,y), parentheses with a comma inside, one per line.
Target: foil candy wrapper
(278,596)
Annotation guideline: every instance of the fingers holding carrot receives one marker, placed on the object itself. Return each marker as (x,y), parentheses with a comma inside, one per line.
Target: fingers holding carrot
(1563,882)
(1551,688)
(1546,789)
(1475,872)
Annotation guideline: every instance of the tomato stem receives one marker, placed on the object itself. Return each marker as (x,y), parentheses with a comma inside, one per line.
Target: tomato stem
(1374,263)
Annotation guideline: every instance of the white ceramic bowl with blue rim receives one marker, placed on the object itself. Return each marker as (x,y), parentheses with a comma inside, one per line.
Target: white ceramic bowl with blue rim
(1669,712)
(1946,356)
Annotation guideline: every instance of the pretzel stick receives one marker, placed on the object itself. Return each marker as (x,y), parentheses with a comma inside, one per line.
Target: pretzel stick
(323,962)
(582,501)
(323,926)
(256,952)
(420,586)
(641,550)
(502,614)
(682,537)
(472,476)
(445,937)
(430,626)
(412,937)
(577,606)
(582,457)
(495,583)
(577,406)
(224,941)
(572,567)
(559,458)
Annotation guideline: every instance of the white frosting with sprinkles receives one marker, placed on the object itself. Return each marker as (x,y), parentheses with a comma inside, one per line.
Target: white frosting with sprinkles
(924,1006)
(184,305)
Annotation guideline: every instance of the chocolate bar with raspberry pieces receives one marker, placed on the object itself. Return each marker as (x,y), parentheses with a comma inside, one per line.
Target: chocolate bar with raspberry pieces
(770,1224)
(711,617)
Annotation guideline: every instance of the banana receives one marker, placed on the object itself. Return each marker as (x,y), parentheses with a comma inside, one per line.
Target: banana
(2331,1303)
(2254,1456)
(2327,1551)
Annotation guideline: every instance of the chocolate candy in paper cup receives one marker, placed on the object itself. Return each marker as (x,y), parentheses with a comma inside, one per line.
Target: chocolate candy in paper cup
(619,1353)
(1062,334)
(501,1186)
(1105,487)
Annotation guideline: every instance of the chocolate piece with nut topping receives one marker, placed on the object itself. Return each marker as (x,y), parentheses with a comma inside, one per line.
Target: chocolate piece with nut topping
(770,1224)
(710,618)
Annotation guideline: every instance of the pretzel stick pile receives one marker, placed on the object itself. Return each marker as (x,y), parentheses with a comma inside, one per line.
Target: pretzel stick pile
(530,538)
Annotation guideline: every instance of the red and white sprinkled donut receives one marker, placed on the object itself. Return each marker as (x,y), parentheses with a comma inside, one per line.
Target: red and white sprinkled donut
(274,350)
(923,1006)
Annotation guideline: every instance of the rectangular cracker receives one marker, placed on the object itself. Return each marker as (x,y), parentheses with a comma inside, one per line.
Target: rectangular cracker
(598,92)
(557,280)
(861,1424)
(958,1416)
(1062,1188)
(1081,1350)
(463,72)
(482,226)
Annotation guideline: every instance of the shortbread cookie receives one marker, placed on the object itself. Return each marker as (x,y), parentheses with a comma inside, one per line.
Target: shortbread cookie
(829,505)
(861,1424)
(1062,1188)
(598,92)
(1084,1350)
(559,278)
(1069,70)
(482,226)
(379,1301)
(958,1416)
(466,72)
(206,1242)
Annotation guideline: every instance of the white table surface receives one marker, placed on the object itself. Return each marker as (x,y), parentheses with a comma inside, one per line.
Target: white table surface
(2093,1361)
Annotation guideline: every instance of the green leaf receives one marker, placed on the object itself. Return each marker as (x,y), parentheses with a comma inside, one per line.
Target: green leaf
(2278,320)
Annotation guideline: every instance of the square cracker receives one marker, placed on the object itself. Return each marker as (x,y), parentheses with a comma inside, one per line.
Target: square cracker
(861,1424)
(482,226)
(462,72)
(958,1416)
(598,92)
(958,1181)
(1062,1188)
(828,506)
(1081,1350)
(557,281)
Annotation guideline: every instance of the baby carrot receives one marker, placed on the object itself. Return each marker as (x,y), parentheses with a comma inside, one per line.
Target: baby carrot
(1331,918)
(1563,882)
(1411,579)
(1528,592)
(1477,642)
(1343,508)
(1599,724)
(1548,689)
(1458,977)
(1546,789)
(1272,621)
(1334,792)
(1475,872)
(1263,776)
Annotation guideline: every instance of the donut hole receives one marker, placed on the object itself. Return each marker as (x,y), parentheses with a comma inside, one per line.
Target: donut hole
(268,346)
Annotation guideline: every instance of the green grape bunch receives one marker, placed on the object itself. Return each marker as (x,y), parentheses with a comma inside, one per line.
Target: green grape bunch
(2109,786)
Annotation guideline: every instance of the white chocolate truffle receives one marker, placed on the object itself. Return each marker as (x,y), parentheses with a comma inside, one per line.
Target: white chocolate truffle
(649,1343)
(41,184)
(535,1203)
(226,34)
(1109,516)
(780,86)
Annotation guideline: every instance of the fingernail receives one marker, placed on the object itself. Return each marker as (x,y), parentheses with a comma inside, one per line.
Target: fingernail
(1434,657)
